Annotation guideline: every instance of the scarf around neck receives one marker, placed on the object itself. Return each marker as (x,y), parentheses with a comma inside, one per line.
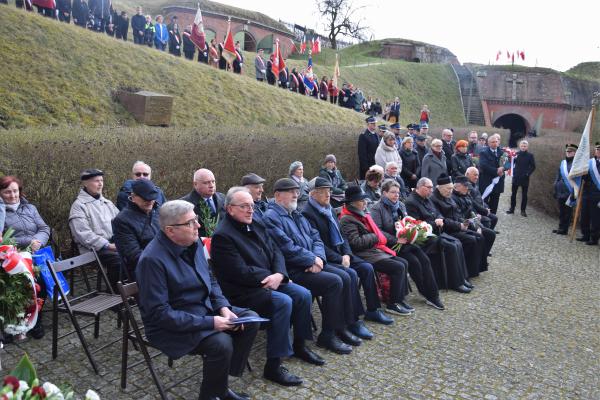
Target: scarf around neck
(368,222)
(334,231)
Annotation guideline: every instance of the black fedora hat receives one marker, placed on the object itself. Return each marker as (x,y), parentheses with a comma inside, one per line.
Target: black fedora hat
(354,193)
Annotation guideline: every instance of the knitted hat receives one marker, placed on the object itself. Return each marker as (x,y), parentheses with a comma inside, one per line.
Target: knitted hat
(330,157)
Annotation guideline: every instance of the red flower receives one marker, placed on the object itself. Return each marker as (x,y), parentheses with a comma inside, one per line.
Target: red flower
(39,391)
(10,380)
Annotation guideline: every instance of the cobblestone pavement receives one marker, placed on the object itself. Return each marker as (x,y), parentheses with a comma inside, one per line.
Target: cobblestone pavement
(530,330)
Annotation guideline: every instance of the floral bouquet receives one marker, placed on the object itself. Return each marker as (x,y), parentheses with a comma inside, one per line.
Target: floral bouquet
(19,304)
(507,159)
(22,384)
(412,231)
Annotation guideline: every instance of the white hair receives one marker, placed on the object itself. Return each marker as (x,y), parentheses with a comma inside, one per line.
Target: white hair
(232,191)
(138,164)
(390,164)
(170,212)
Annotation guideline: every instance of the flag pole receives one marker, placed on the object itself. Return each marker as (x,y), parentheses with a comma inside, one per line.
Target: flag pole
(595,98)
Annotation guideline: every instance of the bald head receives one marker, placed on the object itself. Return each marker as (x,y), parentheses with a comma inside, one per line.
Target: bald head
(472,174)
(204,183)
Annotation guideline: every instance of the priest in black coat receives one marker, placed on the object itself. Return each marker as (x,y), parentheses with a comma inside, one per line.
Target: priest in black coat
(523,167)
(368,141)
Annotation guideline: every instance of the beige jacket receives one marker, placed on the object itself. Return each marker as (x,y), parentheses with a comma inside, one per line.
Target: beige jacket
(90,221)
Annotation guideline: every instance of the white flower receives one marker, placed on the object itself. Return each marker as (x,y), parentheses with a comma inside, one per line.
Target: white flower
(52,390)
(91,395)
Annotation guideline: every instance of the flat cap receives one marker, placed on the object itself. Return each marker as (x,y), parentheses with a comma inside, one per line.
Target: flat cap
(90,173)
(420,138)
(284,184)
(461,179)
(252,179)
(320,182)
(145,188)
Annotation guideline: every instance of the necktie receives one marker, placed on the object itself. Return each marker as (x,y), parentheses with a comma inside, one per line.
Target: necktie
(211,205)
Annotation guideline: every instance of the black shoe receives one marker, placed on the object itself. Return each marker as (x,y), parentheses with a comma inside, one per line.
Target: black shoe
(306,354)
(592,242)
(463,289)
(510,211)
(435,303)
(407,306)
(523,214)
(469,285)
(333,343)
(359,329)
(348,337)
(38,330)
(282,376)
(231,395)
(379,317)
(583,239)
(398,309)
(560,231)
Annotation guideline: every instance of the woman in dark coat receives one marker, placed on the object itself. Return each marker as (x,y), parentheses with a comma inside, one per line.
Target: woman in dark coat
(386,213)
(461,159)
(369,243)
(370,186)
(330,172)
(411,166)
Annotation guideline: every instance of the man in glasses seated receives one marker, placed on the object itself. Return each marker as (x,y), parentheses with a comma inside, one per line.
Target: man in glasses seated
(140,170)
(208,203)
(252,273)
(183,308)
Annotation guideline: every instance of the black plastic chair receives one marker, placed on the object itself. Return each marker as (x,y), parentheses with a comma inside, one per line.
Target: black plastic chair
(90,304)
(129,293)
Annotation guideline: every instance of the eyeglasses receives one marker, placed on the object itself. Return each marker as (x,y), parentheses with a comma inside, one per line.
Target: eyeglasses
(138,174)
(190,223)
(245,207)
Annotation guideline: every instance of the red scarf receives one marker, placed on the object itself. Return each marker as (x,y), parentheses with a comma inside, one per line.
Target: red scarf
(368,222)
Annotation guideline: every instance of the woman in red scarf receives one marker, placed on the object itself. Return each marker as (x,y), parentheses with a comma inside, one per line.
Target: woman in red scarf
(368,243)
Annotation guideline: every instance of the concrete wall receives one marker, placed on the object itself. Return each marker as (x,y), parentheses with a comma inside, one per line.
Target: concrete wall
(424,53)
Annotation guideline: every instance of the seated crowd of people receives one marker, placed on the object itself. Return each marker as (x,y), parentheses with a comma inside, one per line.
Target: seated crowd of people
(320,238)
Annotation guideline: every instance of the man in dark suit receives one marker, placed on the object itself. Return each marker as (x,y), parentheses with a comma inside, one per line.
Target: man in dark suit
(138,26)
(368,141)
(590,201)
(208,203)
(251,271)
(524,165)
(488,218)
(183,309)
(490,168)
(455,225)
(322,217)
(307,265)
(451,255)
(448,145)
(394,111)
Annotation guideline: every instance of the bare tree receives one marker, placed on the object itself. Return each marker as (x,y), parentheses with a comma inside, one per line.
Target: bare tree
(341,19)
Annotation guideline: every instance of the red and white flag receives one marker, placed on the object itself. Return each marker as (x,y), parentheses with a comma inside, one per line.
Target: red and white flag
(275,63)
(198,37)
(229,52)
(293,49)
(498,55)
(280,60)
(303,45)
(522,55)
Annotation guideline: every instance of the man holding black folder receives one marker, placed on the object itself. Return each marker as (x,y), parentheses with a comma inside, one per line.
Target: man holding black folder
(252,273)
(182,307)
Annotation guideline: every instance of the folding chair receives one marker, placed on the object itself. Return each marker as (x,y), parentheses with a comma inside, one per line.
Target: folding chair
(129,294)
(90,304)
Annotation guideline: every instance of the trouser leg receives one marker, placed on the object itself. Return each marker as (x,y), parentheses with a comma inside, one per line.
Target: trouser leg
(454,258)
(367,278)
(420,271)
(493,200)
(278,332)
(472,252)
(301,304)
(329,286)
(564,215)
(524,190)
(513,196)
(242,342)
(584,221)
(349,291)
(216,351)
(395,268)
(111,261)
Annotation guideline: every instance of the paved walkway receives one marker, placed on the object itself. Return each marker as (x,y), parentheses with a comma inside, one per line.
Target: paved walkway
(530,330)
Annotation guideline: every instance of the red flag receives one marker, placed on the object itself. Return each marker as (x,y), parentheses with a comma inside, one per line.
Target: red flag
(498,55)
(280,60)
(229,52)
(512,57)
(198,37)
(507,54)
(275,61)
(293,49)
(315,46)
(303,46)
(522,54)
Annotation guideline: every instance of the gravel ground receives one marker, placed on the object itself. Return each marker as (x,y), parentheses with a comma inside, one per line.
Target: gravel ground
(530,330)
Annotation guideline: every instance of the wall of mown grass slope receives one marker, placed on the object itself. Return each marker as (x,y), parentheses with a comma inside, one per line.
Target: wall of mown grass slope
(53,73)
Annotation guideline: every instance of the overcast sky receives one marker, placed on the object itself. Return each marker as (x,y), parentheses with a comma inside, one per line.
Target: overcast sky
(557,35)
